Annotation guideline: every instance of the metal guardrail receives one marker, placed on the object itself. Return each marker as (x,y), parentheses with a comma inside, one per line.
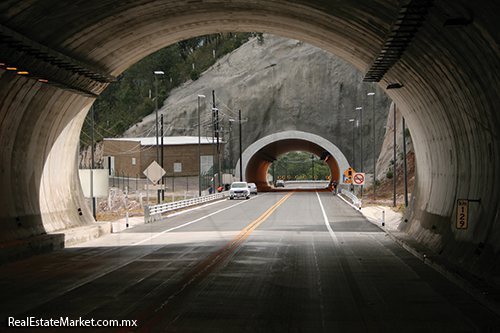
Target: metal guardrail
(353,197)
(153,213)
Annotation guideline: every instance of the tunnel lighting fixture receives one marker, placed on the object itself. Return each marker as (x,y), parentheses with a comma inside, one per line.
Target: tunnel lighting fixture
(11,68)
(395,86)
(2,64)
(457,22)
(22,72)
(43,80)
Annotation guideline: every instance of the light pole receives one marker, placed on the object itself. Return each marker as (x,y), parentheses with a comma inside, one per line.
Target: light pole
(394,166)
(156,109)
(374,150)
(404,165)
(312,162)
(361,136)
(199,146)
(240,121)
(353,146)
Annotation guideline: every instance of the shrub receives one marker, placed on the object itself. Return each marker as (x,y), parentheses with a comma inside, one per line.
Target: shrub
(195,75)
(389,174)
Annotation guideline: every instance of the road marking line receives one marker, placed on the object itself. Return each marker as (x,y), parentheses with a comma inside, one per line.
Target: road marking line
(185,224)
(351,281)
(156,311)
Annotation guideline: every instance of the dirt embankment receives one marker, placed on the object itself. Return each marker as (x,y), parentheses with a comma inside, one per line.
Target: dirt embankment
(385,191)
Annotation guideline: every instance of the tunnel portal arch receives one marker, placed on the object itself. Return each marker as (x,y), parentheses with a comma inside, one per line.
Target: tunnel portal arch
(445,81)
(259,155)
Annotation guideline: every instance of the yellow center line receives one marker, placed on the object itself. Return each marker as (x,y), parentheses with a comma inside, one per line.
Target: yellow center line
(156,311)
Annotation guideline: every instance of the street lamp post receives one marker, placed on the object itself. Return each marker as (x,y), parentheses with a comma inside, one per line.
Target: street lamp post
(394,166)
(240,121)
(156,110)
(374,150)
(353,145)
(361,137)
(199,146)
(312,162)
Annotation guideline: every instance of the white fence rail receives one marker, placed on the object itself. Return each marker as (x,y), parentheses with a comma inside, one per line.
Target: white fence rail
(353,197)
(153,213)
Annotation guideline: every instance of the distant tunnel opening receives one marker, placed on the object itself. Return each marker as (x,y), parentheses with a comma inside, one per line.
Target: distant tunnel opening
(258,166)
(259,156)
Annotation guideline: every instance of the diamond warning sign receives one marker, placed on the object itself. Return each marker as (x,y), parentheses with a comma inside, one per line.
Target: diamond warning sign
(349,173)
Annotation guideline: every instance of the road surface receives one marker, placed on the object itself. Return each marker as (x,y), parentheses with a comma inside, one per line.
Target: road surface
(279,262)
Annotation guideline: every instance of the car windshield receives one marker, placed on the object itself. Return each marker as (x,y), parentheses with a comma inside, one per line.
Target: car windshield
(236,185)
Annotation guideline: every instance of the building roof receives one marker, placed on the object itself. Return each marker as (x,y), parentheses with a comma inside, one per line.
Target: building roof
(168,140)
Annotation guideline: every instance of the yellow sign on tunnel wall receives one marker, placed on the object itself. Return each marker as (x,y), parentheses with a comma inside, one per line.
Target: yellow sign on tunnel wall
(462,213)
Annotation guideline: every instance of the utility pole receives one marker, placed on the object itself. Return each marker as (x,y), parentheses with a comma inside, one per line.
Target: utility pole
(218,146)
(374,150)
(156,73)
(213,138)
(394,167)
(199,146)
(361,137)
(404,159)
(241,160)
(162,177)
(312,162)
(93,163)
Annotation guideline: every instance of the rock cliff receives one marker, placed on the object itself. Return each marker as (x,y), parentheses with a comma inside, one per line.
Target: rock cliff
(281,84)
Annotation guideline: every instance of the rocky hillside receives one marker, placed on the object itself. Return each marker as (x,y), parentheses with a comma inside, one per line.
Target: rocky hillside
(279,85)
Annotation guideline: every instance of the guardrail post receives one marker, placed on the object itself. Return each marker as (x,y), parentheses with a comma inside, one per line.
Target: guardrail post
(146,214)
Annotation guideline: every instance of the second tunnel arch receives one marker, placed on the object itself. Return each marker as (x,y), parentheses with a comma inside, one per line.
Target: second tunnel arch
(257,158)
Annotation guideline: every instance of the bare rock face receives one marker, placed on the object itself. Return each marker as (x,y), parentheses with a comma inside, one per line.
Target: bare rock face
(279,85)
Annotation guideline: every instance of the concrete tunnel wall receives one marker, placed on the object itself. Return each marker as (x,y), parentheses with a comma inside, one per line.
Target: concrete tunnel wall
(259,156)
(450,94)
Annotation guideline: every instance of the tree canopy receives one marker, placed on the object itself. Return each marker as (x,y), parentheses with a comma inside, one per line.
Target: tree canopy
(299,164)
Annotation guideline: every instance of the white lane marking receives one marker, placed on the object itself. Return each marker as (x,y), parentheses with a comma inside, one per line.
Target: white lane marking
(188,223)
(330,230)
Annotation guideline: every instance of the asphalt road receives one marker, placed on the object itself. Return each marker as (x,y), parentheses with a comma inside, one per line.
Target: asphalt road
(279,262)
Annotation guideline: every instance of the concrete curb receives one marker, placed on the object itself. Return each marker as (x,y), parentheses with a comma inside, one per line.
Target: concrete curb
(25,248)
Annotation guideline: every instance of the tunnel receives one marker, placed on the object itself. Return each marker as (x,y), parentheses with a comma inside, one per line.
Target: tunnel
(258,157)
(437,60)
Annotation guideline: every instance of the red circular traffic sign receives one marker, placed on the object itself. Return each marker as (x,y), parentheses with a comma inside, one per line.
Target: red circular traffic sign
(358,179)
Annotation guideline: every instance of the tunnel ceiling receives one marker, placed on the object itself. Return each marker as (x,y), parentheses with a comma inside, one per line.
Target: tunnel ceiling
(278,148)
(443,57)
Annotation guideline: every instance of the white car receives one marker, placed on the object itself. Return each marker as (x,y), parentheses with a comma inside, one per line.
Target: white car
(253,188)
(239,190)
